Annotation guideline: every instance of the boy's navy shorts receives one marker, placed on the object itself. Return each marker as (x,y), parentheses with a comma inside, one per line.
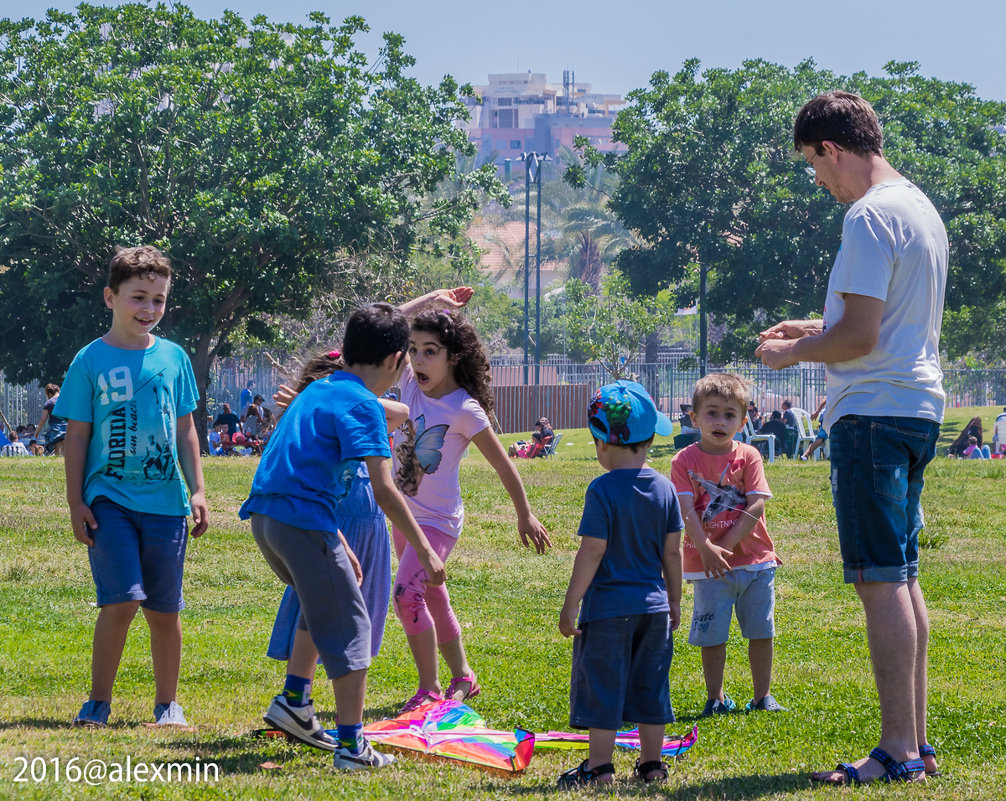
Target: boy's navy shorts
(621,669)
(137,556)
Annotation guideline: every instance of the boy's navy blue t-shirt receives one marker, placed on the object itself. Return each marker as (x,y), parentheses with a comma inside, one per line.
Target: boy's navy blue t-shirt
(633,510)
(312,456)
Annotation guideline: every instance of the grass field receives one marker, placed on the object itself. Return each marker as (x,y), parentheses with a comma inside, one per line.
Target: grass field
(507,600)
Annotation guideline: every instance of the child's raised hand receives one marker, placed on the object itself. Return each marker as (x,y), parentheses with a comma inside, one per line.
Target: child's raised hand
(567,620)
(284,396)
(530,528)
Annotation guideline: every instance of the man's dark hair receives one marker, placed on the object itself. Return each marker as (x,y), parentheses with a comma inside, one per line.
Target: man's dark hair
(787,404)
(777,415)
(840,117)
(373,333)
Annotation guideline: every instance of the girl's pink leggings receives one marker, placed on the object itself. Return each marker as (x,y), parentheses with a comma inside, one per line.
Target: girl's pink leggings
(419,606)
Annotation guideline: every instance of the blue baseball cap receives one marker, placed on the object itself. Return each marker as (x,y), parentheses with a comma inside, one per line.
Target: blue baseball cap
(623,413)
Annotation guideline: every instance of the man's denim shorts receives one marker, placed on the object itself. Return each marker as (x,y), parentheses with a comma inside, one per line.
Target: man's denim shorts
(876,484)
(621,669)
(752,592)
(138,556)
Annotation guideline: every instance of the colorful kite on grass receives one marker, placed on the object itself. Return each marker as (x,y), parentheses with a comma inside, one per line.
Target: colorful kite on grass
(452,730)
(673,746)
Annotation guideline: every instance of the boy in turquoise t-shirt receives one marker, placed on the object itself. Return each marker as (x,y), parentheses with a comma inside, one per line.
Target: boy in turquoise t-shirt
(128,395)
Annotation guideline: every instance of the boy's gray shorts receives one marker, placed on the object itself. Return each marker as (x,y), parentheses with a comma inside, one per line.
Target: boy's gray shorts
(316,565)
(620,672)
(753,594)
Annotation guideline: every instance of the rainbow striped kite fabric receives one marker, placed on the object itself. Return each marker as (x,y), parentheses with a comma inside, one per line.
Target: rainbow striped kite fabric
(453,730)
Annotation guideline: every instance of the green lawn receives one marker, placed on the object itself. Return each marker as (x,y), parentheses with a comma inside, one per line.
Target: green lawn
(507,600)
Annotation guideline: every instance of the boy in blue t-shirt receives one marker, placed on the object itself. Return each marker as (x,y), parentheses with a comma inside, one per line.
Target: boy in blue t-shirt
(627,573)
(127,395)
(306,470)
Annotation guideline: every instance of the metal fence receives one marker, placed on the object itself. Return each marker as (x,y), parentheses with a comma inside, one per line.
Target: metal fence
(670,383)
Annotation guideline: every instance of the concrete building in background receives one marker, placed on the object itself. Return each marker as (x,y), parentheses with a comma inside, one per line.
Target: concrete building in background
(521,112)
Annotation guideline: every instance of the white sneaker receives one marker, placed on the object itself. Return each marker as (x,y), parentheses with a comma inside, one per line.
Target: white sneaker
(344,759)
(299,722)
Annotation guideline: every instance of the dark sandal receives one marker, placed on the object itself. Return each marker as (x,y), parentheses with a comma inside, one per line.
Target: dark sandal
(927,750)
(580,776)
(893,771)
(642,769)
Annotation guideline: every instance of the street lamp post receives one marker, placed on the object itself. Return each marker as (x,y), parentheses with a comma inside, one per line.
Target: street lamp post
(532,172)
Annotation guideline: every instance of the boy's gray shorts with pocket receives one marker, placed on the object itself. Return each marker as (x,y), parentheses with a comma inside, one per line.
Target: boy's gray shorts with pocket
(752,592)
(317,566)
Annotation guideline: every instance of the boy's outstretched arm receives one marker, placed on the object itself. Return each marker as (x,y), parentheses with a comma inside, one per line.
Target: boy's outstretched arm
(528,525)
(391,501)
(188,457)
(78,436)
(671,566)
(714,558)
(456,298)
(585,565)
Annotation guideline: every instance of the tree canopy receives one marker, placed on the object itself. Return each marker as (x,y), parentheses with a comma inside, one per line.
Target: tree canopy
(711,178)
(271,162)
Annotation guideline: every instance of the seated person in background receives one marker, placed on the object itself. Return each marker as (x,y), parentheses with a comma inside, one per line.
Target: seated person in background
(4,439)
(215,442)
(972,429)
(28,438)
(685,419)
(776,427)
(754,415)
(788,418)
(14,446)
(973,451)
(229,419)
(536,447)
(254,418)
(544,433)
(226,443)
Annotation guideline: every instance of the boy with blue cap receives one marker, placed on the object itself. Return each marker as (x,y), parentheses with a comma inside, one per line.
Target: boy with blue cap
(626,586)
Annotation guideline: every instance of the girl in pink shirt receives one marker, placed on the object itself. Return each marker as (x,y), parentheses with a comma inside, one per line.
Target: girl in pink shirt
(446,388)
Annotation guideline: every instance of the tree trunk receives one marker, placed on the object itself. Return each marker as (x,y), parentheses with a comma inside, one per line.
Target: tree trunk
(201,366)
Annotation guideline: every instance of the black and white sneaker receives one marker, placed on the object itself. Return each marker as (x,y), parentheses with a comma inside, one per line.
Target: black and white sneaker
(299,722)
(344,759)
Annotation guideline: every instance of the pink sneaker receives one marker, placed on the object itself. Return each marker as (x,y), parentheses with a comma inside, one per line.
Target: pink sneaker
(421,697)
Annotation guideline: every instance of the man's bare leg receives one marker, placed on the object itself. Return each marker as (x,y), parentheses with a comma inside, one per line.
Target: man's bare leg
(891,631)
(921,668)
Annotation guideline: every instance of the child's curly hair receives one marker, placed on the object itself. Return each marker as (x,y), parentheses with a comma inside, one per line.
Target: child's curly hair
(471,368)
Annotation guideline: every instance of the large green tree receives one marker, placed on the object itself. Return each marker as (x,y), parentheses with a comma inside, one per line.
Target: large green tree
(272,162)
(711,183)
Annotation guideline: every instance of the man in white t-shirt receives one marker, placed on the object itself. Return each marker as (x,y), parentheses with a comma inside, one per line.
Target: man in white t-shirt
(879,340)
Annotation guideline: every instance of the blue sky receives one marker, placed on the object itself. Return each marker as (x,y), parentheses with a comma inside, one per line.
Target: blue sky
(616,46)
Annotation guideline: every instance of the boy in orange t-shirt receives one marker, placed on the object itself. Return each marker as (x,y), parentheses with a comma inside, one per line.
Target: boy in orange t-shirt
(727,554)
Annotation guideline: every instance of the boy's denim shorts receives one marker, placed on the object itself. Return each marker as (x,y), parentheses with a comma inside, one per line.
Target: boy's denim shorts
(621,668)
(138,556)
(752,592)
(876,483)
